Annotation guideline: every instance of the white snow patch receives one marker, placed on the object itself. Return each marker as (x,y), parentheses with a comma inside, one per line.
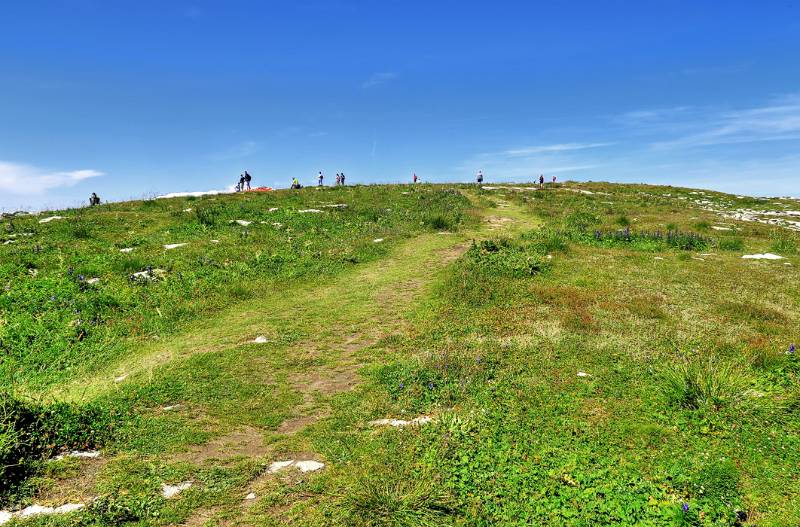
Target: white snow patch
(153,274)
(83,454)
(51,218)
(658,258)
(336,206)
(584,374)
(126,250)
(171,407)
(5,517)
(92,280)
(174,245)
(377,240)
(421,420)
(121,377)
(243,223)
(250,496)
(195,194)
(8,242)
(260,340)
(273,209)
(214,241)
(69,507)
(187,210)
(170,491)
(720,228)
(276,466)
(765,256)
(309,465)
(309,210)
(34,510)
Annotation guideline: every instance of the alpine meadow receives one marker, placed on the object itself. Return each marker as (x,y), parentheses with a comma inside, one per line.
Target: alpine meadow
(577,354)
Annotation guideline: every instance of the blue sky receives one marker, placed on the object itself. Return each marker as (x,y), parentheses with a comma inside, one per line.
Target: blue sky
(137,98)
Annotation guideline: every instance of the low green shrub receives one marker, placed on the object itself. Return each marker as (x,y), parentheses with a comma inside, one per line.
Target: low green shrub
(31,432)
(731,244)
(502,257)
(701,383)
(783,242)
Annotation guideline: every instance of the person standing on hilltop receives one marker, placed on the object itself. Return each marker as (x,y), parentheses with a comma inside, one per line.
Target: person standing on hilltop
(414,179)
(247,178)
(554,179)
(338,179)
(295,183)
(94,199)
(541,180)
(241,183)
(342,178)
(319,179)
(480,177)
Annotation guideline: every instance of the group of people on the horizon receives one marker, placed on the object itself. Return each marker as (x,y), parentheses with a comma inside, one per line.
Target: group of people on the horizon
(244,182)
(320,180)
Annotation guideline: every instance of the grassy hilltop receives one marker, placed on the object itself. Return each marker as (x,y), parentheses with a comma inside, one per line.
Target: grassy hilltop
(579,355)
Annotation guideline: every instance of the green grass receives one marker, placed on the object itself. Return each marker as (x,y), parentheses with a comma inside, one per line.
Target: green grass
(478,309)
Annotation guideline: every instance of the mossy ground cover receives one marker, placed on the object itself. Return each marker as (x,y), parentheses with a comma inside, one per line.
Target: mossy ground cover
(687,414)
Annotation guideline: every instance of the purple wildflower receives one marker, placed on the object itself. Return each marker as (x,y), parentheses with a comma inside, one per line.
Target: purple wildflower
(402,385)
(430,386)
(81,278)
(685,507)
(791,349)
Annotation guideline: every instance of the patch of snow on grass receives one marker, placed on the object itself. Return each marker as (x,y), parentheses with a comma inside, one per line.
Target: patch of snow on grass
(309,465)
(277,466)
(421,420)
(260,340)
(83,454)
(51,218)
(765,256)
(243,223)
(126,250)
(174,245)
(309,210)
(584,374)
(170,491)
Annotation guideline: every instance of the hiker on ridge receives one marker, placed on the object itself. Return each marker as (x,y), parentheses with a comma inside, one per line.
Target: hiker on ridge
(94,200)
(241,182)
(554,179)
(338,179)
(247,178)
(480,177)
(541,180)
(414,178)
(295,183)
(319,179)
(342,178)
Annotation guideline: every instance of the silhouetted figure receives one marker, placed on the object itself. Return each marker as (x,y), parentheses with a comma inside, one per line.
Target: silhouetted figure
(480,177)
(247,178)
(342,178)
(94,199)
(295,183)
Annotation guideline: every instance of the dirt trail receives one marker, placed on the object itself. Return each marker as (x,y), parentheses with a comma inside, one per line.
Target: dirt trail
(338,321)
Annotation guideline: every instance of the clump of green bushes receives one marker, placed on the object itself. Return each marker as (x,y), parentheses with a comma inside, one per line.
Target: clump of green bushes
(31,432)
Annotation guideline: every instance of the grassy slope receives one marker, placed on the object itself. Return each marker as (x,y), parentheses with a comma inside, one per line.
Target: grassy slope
(493,354)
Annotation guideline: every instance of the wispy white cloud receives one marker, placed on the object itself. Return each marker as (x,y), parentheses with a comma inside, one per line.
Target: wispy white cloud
(379,78)
(243,149)
(691,127)
(561,147)
(17,178)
